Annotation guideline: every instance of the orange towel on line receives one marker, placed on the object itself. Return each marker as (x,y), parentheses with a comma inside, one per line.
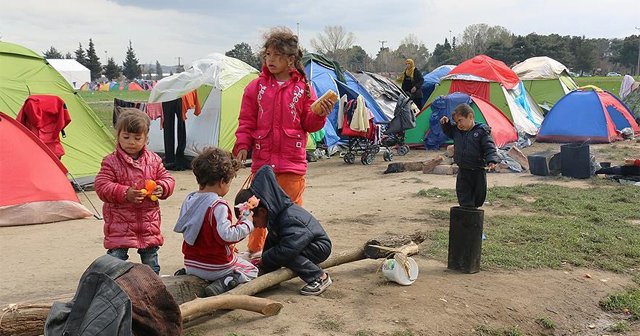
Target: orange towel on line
(189,101)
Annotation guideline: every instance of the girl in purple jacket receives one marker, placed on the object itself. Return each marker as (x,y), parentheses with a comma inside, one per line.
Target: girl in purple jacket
(131,217)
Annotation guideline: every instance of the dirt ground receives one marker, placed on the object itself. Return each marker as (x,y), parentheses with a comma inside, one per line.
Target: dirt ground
(354,203)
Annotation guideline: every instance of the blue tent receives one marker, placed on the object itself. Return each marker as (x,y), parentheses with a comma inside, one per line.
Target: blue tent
(324,76)
(433,78)
(441,107)
(594,116)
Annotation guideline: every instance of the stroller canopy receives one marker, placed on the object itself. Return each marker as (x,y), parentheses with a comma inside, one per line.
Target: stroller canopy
(403,118)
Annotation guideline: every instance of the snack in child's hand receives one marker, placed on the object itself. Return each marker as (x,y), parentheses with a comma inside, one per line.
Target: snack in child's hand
(149,187)
(330,96)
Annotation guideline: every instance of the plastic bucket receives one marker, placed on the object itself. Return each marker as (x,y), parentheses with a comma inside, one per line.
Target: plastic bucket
(397,273)
(575,160)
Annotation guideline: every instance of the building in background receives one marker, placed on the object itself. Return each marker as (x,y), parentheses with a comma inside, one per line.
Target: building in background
(75,73)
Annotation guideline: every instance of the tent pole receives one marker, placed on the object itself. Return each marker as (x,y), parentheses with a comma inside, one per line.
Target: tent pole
(97,215)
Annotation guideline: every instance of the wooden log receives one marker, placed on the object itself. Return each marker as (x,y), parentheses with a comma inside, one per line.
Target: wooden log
(204,306)
(399,167)
(28,319)
(271,279)
(428,166)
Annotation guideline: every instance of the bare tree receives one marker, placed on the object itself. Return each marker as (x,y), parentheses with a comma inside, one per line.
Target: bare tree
(476,38)
(410,39)
(333,40)
(411,47)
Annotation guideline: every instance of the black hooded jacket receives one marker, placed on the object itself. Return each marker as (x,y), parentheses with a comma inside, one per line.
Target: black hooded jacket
(473,148)
(291,228)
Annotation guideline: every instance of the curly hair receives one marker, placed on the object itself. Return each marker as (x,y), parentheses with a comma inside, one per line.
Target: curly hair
(284,41)
(214,165)
(133,120)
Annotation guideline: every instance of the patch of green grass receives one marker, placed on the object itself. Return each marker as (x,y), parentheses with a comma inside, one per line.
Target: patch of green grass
(435,214)
(611,84)
(101,102)
(444,195)
(624,302)
(94,96)
(616,153)
(328,324)
(488,331)
(620,327)
(636,278)
(582,227)
(546,323)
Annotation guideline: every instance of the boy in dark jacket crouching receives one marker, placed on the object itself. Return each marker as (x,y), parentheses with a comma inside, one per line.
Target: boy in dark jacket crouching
(295,239)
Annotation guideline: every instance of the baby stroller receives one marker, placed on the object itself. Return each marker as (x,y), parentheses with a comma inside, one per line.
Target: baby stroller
(360,143)
(393,134)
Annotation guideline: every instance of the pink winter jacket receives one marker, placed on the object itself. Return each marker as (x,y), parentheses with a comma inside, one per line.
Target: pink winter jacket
(274,123)
(126,224)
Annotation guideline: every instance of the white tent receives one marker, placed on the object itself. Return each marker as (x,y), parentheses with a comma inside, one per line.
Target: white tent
(220,81)
(75,73)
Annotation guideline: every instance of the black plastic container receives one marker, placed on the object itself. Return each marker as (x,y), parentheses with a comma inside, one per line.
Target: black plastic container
(576,160)
(465,239)
(544,163)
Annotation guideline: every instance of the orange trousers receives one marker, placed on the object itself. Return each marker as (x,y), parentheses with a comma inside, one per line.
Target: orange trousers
(293,186)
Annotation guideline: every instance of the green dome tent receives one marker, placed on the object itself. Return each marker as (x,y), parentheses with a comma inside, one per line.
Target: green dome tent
(24,73)
(545,79)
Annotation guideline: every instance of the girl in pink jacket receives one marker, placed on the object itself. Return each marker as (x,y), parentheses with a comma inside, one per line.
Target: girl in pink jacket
(131,216)
(276,117)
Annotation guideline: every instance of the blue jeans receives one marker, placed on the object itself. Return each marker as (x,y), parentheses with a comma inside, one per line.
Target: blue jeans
(148,256)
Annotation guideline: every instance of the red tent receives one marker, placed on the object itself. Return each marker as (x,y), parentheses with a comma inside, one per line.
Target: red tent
(133,86)
(34,186)
(502,129)
(488,68)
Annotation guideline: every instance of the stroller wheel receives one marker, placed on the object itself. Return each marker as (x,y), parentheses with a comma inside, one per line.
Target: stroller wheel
(349,158)
(376,149)
(403,150)
(387,156)
(367,157)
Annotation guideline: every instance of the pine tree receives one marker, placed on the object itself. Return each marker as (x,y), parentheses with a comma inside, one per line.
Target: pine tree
(80,55)
(93,62)
(158,70)
(52,53)
(112,70)
(130,67)
(68,55)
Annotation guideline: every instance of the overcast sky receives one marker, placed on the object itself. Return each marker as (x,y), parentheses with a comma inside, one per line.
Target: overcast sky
(164,30)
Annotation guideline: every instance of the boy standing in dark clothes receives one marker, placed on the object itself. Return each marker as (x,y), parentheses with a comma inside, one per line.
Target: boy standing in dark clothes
(473,150)
(295,239)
